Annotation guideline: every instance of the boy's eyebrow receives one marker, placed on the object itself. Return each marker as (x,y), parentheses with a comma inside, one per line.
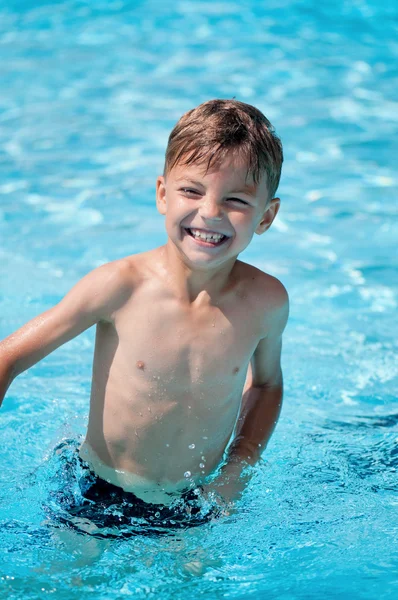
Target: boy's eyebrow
(188,180)
(248,189)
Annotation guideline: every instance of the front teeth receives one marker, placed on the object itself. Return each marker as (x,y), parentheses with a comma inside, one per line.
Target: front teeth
(207,237)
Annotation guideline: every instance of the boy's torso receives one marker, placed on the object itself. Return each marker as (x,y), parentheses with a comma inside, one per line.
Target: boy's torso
(168,378)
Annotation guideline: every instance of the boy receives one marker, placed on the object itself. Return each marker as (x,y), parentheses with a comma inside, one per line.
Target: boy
(183,331)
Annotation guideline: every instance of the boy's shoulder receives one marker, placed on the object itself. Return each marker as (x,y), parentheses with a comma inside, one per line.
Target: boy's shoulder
(267,297)
(108,287)
(261,286)
(126,271)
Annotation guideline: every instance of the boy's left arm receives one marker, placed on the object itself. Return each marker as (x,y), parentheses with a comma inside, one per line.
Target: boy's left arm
(261,406)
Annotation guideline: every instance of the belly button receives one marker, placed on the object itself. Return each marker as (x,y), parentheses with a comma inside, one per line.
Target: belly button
(235,370)
(140,365)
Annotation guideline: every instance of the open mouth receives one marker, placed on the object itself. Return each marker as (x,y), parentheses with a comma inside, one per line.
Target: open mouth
(210,238)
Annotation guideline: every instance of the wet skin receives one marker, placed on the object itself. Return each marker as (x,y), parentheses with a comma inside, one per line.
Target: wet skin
(177,328)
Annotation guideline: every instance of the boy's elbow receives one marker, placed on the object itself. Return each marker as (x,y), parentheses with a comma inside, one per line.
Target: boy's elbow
(274,382)
(8,372)
(9,358)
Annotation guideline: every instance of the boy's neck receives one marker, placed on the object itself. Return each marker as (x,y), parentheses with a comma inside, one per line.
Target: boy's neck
(188,283)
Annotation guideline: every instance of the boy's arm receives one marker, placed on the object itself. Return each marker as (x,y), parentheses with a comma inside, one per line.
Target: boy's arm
(261,405)
(93,298)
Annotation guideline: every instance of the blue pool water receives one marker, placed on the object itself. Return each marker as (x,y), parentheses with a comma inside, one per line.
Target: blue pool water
(89,93)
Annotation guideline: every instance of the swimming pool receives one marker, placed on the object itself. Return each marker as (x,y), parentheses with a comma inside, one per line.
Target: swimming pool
(89,94)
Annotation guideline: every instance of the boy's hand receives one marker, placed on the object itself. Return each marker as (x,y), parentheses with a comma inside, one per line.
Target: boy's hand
(229,486)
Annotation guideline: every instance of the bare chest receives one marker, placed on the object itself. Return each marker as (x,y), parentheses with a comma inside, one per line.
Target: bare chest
(204,347)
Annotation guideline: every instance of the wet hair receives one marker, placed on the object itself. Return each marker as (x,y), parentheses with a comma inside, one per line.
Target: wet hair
(217,128)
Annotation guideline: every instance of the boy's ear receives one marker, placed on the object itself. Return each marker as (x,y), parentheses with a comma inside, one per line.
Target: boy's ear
(268,216)
(161,195)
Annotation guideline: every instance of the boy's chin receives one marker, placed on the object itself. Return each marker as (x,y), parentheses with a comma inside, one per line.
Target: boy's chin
(199,261)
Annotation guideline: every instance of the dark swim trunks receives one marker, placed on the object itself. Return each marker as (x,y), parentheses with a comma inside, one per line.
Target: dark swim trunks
(93,506)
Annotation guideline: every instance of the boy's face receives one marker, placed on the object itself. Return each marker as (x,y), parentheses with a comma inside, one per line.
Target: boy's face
(211,217)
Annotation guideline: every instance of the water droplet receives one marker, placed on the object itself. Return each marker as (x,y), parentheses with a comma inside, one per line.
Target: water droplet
(191,446)
(167,445)
(157,514)
(205,437)
(201,465)
(149,409)
(213,324)
(187,474)
(140,414)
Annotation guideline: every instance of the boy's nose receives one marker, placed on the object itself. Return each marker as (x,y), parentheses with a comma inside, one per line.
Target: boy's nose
(210,209)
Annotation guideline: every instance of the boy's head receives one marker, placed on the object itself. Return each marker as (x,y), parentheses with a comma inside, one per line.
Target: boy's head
(217,128)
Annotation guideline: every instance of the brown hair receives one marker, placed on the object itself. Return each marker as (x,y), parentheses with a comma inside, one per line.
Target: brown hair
(215,128)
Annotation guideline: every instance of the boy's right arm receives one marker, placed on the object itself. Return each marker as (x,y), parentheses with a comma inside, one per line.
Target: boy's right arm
(94,298)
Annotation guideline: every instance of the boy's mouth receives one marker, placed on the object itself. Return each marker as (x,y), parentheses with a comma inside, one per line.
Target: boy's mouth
(211,238)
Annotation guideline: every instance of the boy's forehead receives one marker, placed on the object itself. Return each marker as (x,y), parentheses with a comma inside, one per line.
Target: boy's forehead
(234,168)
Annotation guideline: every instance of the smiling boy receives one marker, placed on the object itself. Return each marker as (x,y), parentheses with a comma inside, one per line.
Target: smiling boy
(186,374)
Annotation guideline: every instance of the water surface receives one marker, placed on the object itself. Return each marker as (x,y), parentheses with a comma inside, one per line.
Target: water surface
(89,95)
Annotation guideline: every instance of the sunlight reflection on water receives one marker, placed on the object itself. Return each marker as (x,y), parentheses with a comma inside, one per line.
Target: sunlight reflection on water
(89,95)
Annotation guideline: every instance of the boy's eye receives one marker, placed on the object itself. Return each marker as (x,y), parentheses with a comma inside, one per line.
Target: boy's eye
(239,200)
(190,191)
(193,192)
